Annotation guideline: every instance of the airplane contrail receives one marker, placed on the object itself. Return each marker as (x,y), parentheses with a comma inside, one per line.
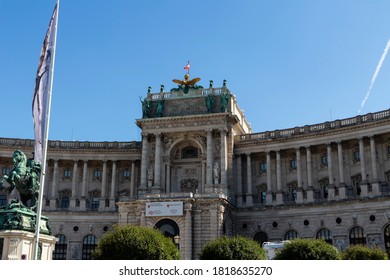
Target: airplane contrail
(378,68)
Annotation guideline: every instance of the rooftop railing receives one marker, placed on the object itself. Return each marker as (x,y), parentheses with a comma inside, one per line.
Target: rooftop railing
(316,128)
(58,144)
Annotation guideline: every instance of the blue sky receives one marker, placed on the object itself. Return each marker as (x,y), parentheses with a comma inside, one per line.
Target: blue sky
(289,63)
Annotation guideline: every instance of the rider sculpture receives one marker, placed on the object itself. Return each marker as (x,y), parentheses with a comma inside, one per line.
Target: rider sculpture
(24,176)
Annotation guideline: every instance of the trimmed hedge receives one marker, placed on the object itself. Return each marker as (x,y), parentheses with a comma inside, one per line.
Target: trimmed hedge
(232,248)
(130,242)
(308,249)
(358,252)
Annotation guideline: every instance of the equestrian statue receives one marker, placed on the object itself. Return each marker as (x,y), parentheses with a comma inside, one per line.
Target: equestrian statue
(24,176)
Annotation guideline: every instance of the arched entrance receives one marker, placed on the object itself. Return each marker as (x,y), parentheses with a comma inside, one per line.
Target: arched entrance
(170,229)
(260,237)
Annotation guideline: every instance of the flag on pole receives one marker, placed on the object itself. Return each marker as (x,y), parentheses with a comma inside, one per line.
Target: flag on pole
(187,67)
(42,86)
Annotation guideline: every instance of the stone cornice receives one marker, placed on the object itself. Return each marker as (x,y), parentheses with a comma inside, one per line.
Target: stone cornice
(192,122)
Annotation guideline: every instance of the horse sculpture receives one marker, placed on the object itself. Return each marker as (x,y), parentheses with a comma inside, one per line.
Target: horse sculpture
(24,177)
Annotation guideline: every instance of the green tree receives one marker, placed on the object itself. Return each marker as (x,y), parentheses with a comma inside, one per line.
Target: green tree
(358,252)
(232,248)
(135,243)
(308,249)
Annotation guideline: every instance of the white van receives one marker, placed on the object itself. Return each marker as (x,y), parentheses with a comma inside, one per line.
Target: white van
(271,248)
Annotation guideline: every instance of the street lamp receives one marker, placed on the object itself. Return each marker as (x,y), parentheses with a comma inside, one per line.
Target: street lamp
(176,240)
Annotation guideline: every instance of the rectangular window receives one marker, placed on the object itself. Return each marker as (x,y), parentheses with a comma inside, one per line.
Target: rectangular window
(67,173)
(356,156)
(263,197)
(324,160)
(95,202)
(263,167)
(126,173)
(65,202)
(293,164)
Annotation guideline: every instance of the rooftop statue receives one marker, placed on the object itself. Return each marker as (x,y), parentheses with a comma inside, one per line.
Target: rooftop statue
(24,176)
(145,107)
(186,84)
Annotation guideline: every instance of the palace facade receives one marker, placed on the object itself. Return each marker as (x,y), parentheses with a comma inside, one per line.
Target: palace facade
(200,173)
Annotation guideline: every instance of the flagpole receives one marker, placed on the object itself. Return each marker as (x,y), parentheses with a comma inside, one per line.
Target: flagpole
(45,141)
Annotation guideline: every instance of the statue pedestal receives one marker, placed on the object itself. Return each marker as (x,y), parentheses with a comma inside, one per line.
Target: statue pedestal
(19,245)
(17,231)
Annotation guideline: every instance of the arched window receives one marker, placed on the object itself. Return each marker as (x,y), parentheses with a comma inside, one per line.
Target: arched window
(291,234)
(189,152)
(356,236)
(60,248)
(89,245)
(168,227)
(387,238)
(325,234)
(260,237)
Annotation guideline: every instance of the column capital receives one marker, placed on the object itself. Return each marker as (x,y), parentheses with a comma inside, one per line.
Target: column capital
(158,134)
(224,130)
(144,134)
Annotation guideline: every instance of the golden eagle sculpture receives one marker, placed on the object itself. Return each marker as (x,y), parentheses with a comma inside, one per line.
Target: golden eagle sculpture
(186,84)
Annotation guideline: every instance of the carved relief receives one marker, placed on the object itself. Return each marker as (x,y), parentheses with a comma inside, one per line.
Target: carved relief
(189,185)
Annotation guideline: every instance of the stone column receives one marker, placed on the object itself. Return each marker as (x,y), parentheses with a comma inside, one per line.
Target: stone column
(75,177)
(375,179)
(203,182)
(157,162)
(103,190)
(132,179)
(54,187)
(144,163)
(188,234)
(249,193)
(330,172)
(168,189)
(197,236)
(299,176)
(310,194)
(239,181)
(113,186)
(268,200)
(84,186)
(341,171)
(223,157)
(363,183)
(279,193)
(210,156)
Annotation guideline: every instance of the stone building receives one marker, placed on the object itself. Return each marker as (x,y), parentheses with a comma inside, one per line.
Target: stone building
(200,172)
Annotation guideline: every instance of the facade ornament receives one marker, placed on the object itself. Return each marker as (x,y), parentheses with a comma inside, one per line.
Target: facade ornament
(145,107)
(186,84)
(224,102)
(210,103)
(160,108)
(216,170)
